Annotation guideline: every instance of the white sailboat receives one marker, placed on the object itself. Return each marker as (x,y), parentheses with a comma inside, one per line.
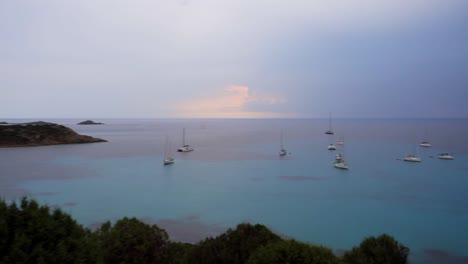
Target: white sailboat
(185,147)
(283,152)
(340,141)
(341,165)
(340,162)
(412,158)
(331,147)
(425,143)
(445,156)
(168,159)
(338,157)
(329,131)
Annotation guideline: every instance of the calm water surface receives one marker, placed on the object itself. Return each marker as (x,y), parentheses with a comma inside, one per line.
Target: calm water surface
(236,175)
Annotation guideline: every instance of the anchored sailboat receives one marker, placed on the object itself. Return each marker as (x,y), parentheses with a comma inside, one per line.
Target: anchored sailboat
(412,157)
(331,147)
(340,162)
(283,152)
(445,156)
(185,147)
(329,131)
(341,165)
(340,141)
(168,159)
(425,143)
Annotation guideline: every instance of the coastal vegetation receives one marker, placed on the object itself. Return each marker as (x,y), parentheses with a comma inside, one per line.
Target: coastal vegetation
(33,233)
(40,134)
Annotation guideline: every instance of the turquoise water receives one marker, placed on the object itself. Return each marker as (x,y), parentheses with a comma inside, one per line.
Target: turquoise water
(235,175)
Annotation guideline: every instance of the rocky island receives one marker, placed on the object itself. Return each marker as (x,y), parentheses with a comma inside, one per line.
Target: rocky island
(90,122)
(41,134)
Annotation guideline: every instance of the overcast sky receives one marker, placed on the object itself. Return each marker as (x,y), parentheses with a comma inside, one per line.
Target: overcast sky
(233,58)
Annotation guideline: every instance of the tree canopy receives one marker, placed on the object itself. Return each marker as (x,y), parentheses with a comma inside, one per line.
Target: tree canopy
(30,233)
(378,250)
(291,251)
(33,233)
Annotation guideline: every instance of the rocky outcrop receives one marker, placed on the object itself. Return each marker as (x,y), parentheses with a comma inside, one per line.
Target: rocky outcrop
(89,122)
(41,134)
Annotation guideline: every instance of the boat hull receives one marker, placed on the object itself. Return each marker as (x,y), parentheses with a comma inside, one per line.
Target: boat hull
(412,159)
(341,166)
(425,145)
(168,161)
(185,149)
(446,157)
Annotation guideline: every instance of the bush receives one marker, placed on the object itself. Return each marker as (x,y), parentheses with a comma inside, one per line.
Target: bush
(381,250)
(234,246)
(132,241)
(33,234)
(291,251)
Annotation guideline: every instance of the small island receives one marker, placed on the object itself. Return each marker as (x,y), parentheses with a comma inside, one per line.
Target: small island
(90,122)
(41,134)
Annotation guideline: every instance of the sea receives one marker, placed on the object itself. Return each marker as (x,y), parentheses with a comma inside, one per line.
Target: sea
(235,175)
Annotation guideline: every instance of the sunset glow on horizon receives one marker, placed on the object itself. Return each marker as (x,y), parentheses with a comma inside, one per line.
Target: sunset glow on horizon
(232,102)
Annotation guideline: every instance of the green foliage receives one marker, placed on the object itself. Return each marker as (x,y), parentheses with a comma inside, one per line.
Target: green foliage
(32,234)
(381,250)
(179,253)
(132,241)
(234,246)
(291,251)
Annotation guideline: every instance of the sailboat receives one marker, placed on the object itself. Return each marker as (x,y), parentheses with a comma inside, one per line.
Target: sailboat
(341,165)
(329,131)
(168,159)
(425,143)
(331,147)
(185,147)
(445,156)
(283,152)
(412,157)
(338,157)
(340,162)
(340,141)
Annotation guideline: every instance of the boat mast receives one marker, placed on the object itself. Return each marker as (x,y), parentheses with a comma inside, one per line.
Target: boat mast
(166,148)
(281,141)
(183,136)
(169,149)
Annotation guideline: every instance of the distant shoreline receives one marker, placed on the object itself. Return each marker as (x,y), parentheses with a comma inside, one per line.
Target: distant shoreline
(35,134)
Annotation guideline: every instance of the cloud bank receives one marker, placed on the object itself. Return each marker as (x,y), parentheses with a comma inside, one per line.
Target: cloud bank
(139,58)
(233,102)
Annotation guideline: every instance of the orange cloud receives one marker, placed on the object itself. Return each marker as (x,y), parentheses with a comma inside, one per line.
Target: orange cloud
(232,103)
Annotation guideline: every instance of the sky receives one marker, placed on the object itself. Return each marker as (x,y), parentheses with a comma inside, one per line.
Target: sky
(233,58)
